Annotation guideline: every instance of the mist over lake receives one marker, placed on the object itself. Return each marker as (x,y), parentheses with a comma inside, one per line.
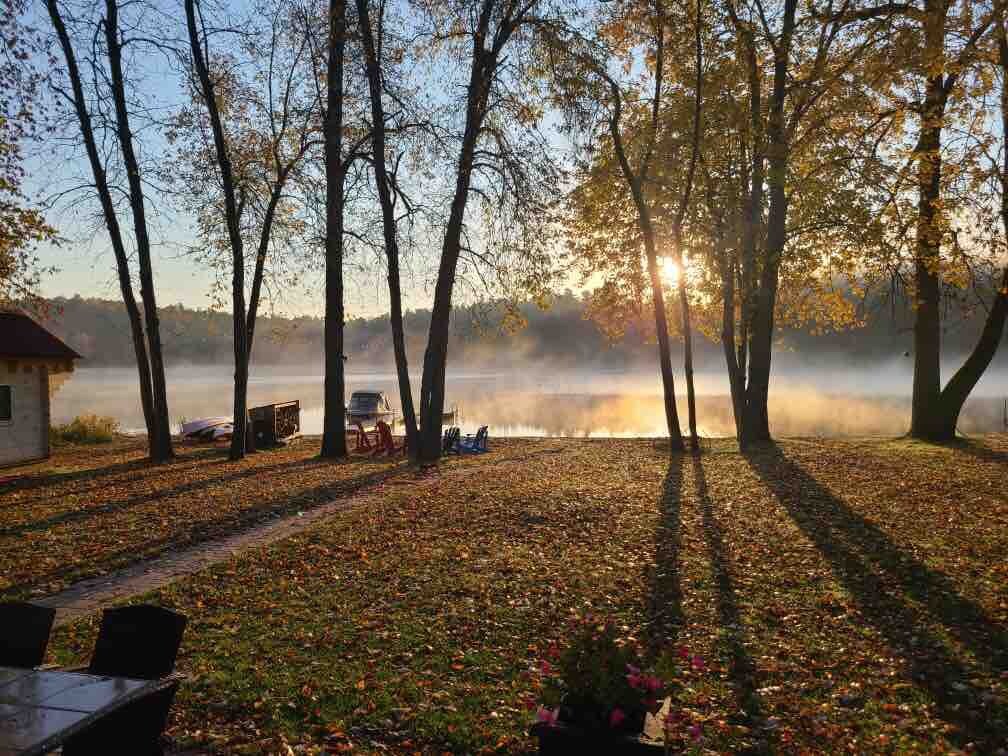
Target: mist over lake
(530,401)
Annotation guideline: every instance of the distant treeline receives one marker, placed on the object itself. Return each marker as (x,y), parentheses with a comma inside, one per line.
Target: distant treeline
(560,336)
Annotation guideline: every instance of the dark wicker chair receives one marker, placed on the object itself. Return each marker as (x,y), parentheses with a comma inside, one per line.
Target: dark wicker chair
(24,633)
(141,642)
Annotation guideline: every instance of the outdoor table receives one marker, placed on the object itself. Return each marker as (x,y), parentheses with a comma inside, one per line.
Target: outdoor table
(41,708)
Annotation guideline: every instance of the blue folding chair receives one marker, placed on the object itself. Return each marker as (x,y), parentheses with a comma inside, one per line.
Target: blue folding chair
(450,442)
(475,444)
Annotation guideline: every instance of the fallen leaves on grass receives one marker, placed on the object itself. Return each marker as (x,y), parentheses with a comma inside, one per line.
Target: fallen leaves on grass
(95,509)
(835,605)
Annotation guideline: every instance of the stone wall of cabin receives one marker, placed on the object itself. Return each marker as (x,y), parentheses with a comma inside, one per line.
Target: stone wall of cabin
(26,435)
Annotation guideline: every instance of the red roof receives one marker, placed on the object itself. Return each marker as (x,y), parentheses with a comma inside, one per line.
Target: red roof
(20,336)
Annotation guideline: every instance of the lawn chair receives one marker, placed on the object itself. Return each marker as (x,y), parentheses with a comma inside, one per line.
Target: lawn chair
(24,633)
(141,642)
(386,444)
(475,444)
(363,442)
(450,442)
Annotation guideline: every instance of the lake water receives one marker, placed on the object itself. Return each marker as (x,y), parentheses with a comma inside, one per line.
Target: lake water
(825,401)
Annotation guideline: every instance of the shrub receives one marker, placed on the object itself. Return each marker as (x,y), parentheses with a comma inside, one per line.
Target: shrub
(85,429)
(598,683)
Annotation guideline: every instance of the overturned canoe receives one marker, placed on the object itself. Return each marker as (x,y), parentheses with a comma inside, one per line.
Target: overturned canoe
(208,428)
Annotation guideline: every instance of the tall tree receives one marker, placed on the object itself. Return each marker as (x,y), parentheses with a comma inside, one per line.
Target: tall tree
(22,121)
(816,72)
(499,46)
(939,42)
(109,93)
(755,418)
(198,47)
(384,185)
(637,180)
(248,140)
(334,414)
(827,88)
(677,225)
(933,411)
(962,383)
(660,192)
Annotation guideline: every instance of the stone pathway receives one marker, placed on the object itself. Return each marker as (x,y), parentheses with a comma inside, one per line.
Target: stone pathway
(91,595)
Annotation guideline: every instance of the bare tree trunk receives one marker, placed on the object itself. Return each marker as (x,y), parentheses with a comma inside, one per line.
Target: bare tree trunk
(255,292)
(958,389)
(926,413)
(432,386)
(234,234)
(687,324)
(162,447)
(727,268)
(752,226)
(389,228)
(954,395)
(687,327)
(646,226)
(155,447)
(756,422)
(334,420)
(736,382)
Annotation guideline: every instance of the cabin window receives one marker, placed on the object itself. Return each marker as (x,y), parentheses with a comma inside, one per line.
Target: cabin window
(6,404)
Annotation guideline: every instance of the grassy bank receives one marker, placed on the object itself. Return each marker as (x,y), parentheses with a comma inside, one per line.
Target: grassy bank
(849,596)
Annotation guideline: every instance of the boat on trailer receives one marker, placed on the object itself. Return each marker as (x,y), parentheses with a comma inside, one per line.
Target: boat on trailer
(369,407)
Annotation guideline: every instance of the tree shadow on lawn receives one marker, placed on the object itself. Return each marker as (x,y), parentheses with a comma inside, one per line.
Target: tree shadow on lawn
(664,608)
(47,479)
(76,515)
(211,529)
(900,596)
(741,669)
(979,450)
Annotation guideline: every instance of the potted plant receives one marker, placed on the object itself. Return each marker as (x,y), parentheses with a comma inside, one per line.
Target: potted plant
(597,696)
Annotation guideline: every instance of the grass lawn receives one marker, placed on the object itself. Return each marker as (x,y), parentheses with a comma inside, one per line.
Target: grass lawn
(93,508)
(848,596)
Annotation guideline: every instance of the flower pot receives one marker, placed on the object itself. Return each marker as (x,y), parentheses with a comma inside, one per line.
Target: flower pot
(562,739)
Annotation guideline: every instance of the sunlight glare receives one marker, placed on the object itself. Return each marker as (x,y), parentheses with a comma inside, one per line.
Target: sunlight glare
(669,271)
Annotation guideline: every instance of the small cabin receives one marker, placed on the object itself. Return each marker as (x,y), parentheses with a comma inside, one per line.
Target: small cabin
(33,364)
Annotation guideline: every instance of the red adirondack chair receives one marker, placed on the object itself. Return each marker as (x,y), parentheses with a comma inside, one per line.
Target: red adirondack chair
(363,442)
(386,444)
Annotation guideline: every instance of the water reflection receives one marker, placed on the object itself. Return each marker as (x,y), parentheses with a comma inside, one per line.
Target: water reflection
(523,404)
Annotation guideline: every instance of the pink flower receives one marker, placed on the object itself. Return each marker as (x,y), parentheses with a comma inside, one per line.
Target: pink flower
(545,667)
(616,718)
(697,663)
(547,717)
(682,652)
(634,676)
(651,683)
(695,732)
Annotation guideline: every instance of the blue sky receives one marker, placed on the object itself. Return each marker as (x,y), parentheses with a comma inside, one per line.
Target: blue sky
(84,261)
